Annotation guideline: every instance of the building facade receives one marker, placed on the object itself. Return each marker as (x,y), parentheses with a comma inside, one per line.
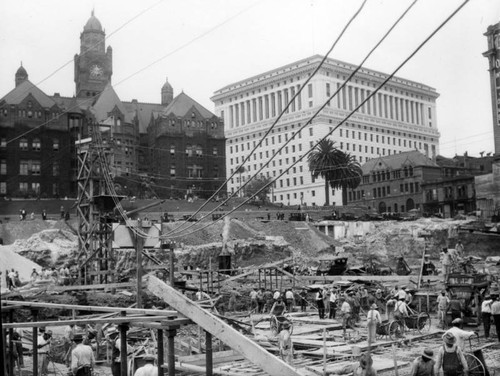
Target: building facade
(35,143)
(400,117)
(394,183)
(44,162)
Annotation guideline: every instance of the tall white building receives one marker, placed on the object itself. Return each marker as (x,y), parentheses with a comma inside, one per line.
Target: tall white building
(400,117)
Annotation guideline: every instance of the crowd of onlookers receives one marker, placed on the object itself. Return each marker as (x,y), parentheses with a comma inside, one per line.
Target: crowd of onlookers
(62,276)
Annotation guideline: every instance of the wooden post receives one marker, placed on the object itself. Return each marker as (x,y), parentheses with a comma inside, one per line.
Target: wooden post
(123,348)
(270,279)
(396,373)
(161,351)
(324,352)
(171,351)
(139,243)
(34,313)
(171,261)
(11,344)
(422,266)
(259,279)
(208,354)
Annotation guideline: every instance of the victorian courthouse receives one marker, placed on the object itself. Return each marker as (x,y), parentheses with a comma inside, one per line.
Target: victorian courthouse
(174,148)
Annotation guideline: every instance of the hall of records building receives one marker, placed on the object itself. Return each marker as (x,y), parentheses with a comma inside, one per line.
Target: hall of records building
(400,117)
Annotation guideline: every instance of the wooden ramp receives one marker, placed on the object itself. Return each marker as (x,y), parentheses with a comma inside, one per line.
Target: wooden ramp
(218,328)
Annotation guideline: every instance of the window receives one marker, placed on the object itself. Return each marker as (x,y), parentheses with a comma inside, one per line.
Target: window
(3,187)
(35,187)
(172,171)
(55,144)
(215,150)
(199,151)
(313,193)
(23,187)
(172,150)
(55,169)
(3,142)
(36,144)
(3,167)
(310,90)
(189,151)
(35,167)
(23,167)
(23,144)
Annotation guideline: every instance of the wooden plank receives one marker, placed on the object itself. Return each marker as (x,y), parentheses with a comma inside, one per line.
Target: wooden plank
(218,328)
(157,312)
(107,320)
(379,364)
(90,287)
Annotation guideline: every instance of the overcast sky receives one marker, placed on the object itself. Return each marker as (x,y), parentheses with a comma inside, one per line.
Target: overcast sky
(203,45)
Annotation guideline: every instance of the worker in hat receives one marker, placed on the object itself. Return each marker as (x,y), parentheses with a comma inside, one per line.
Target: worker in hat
(423,365)
(149,368)
(451,358)
(442,304)
(285,343)
(428,268)
(486,315)
(44,340)
(460,335)
(364,367)
(82,357)
(372,320)
(113,337)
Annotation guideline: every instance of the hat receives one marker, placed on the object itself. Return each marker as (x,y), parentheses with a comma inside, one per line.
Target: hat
(286,324)
(112,330)
(41,329)
(428,353)
(488,296)
(149,357)
(457,321)
(373,306)
(78,336)
(403,287)
(449,338)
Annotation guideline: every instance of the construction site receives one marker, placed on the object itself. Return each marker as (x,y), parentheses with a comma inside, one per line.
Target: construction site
(189,302)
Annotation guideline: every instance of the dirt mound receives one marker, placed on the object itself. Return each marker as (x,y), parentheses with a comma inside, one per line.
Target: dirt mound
(11,260)
(11,231)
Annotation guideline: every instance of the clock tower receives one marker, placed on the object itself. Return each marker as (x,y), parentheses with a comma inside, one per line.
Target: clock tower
(94,64)
(493,55)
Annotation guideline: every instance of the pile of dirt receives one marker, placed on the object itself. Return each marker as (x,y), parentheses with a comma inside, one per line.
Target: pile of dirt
(9,259)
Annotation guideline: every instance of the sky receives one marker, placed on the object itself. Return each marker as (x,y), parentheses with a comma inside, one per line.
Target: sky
(203,45)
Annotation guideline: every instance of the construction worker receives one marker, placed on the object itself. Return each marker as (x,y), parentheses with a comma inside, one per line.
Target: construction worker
(486,315)
(320,303)
(346,311)
(450,358)
(446,262)
(400,311)
(285,343)
(254,304)
(424,364)
(268,299)
(428,268)
(333,303)
(303,300)
(442,301)
(82,357)
(149,368)
(260,300)
(460,335)
(114,340)
(455,307)
(290,300)
(495,312)
(234,294)
(372,320)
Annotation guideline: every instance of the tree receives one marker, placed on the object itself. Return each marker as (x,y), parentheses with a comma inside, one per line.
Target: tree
(256,185)
(340,170)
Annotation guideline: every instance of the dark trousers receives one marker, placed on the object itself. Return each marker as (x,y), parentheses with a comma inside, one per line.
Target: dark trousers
(486,316)
(496,319)
(321,308)
(116,368)
(84,371)
(333,309)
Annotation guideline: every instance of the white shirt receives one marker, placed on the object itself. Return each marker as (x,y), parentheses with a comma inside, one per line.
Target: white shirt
(374,315)
(346,307)
(460,335)
(289,295)
(401,294)
(147,370)
(486,306)
(333,297)
(276,295)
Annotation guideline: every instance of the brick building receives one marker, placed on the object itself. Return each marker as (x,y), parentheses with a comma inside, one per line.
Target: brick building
(44,161)
(394,183)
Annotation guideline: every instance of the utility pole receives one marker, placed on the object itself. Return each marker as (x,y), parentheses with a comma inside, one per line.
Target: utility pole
(139,245)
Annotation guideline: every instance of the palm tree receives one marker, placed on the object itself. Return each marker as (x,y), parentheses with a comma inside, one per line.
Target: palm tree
(340,170)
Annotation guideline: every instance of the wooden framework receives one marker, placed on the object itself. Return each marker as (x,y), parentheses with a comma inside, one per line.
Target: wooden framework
(94,200)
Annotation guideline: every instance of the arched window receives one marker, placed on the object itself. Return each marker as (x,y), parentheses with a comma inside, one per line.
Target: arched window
(189,150)
(36,144)
(199,151)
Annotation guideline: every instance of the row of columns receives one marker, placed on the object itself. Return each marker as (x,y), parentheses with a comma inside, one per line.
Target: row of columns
(264,107)
(382,105)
